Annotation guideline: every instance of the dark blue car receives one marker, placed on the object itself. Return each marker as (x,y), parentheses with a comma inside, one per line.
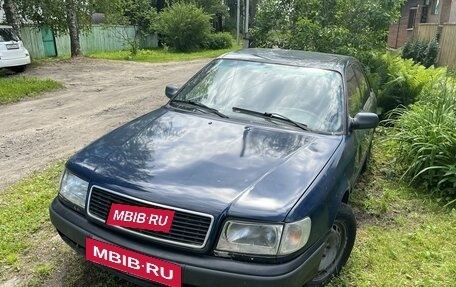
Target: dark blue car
(254,158)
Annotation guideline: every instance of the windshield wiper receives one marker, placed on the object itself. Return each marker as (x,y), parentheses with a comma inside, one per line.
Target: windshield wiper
(201,107)
(267,115)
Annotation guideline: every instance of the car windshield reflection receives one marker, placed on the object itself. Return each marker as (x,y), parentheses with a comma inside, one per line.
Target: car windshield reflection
(305,95)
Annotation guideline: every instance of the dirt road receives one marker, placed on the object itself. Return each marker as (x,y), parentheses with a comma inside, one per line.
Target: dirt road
(98,96)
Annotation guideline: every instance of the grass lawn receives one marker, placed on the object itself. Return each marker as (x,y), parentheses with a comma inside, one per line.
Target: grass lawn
(160,55)
(405,238)
(15,88)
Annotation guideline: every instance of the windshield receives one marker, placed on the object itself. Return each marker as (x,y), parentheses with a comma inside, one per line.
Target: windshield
(306,95)
(7,34)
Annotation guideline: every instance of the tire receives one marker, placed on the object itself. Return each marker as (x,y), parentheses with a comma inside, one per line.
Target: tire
(339,244)
(18,69)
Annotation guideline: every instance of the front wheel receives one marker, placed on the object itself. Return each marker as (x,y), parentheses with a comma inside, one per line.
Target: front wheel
(338,246)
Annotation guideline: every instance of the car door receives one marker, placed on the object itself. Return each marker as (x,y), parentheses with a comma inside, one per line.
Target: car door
(357,95)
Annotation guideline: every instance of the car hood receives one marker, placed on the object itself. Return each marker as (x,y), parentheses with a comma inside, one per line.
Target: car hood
(208,165)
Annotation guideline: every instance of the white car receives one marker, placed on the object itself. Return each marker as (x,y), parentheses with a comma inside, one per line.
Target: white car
(13,54)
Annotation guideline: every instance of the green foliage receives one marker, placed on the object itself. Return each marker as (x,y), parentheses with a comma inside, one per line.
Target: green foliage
(184,26)
(399,82)
(13,89)
(432,52)
(24,210)
(421,52)
(425,137)
(325,26)
(212,7)
(217,41)
(52,13)
(139,13)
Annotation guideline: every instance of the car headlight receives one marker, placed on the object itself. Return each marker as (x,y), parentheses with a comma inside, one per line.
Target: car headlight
(74,189)
(264,239)
(295,236)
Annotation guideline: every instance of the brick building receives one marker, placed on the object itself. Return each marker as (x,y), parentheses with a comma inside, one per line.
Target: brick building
(414,12)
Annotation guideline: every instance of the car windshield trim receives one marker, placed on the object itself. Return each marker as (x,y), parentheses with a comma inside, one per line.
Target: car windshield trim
(201,107)
(275,116)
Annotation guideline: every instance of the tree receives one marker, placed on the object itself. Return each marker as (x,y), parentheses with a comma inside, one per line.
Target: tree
(336,26)
(9,6)
(70,17)
(184,26)
(141,14)
(217,9)
(72,21)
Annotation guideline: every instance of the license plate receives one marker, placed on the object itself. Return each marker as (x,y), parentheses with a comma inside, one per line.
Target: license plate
(133,263)
(12,46)
(140,217)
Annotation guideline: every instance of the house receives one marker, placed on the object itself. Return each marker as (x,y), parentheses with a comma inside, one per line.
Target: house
(414,12)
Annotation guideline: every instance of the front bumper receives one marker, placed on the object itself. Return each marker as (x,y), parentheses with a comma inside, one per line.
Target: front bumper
(197,270)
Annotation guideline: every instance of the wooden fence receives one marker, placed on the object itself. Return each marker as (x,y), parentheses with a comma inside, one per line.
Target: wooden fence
(99,39)
(426,32)
(447,53)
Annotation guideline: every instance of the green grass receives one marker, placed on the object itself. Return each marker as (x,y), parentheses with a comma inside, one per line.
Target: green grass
(24,211)
(159,55)
(15,88)
(405,237)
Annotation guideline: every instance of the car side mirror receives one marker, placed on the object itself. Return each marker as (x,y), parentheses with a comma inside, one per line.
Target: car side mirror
(363,121)
(171,90)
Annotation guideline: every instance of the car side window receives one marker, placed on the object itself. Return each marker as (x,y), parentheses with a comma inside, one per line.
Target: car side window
(354,93)
(363,85)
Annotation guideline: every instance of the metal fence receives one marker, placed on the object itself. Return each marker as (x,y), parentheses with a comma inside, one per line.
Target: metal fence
(447,53)
(99,39)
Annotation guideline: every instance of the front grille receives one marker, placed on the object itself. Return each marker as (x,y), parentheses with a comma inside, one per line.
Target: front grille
(190,229)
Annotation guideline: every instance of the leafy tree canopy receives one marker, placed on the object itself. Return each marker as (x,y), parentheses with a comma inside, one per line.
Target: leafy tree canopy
(335,26)
(53,13)
(140,13)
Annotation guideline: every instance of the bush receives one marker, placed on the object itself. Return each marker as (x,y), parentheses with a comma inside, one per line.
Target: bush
(425,139)
(399,82)
(219,41)
(184,26)
(432,51)
(421,52)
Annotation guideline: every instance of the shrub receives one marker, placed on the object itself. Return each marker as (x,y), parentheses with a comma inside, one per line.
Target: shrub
(432,51)
(184,26)
(219,41)
(425,139)
(399,82)
(421,52)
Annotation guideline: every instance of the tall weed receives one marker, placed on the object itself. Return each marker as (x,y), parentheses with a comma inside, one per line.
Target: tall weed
(425,138)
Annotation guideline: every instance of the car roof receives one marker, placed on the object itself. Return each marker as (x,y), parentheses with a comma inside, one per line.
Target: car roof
(5,26)
(292,58)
